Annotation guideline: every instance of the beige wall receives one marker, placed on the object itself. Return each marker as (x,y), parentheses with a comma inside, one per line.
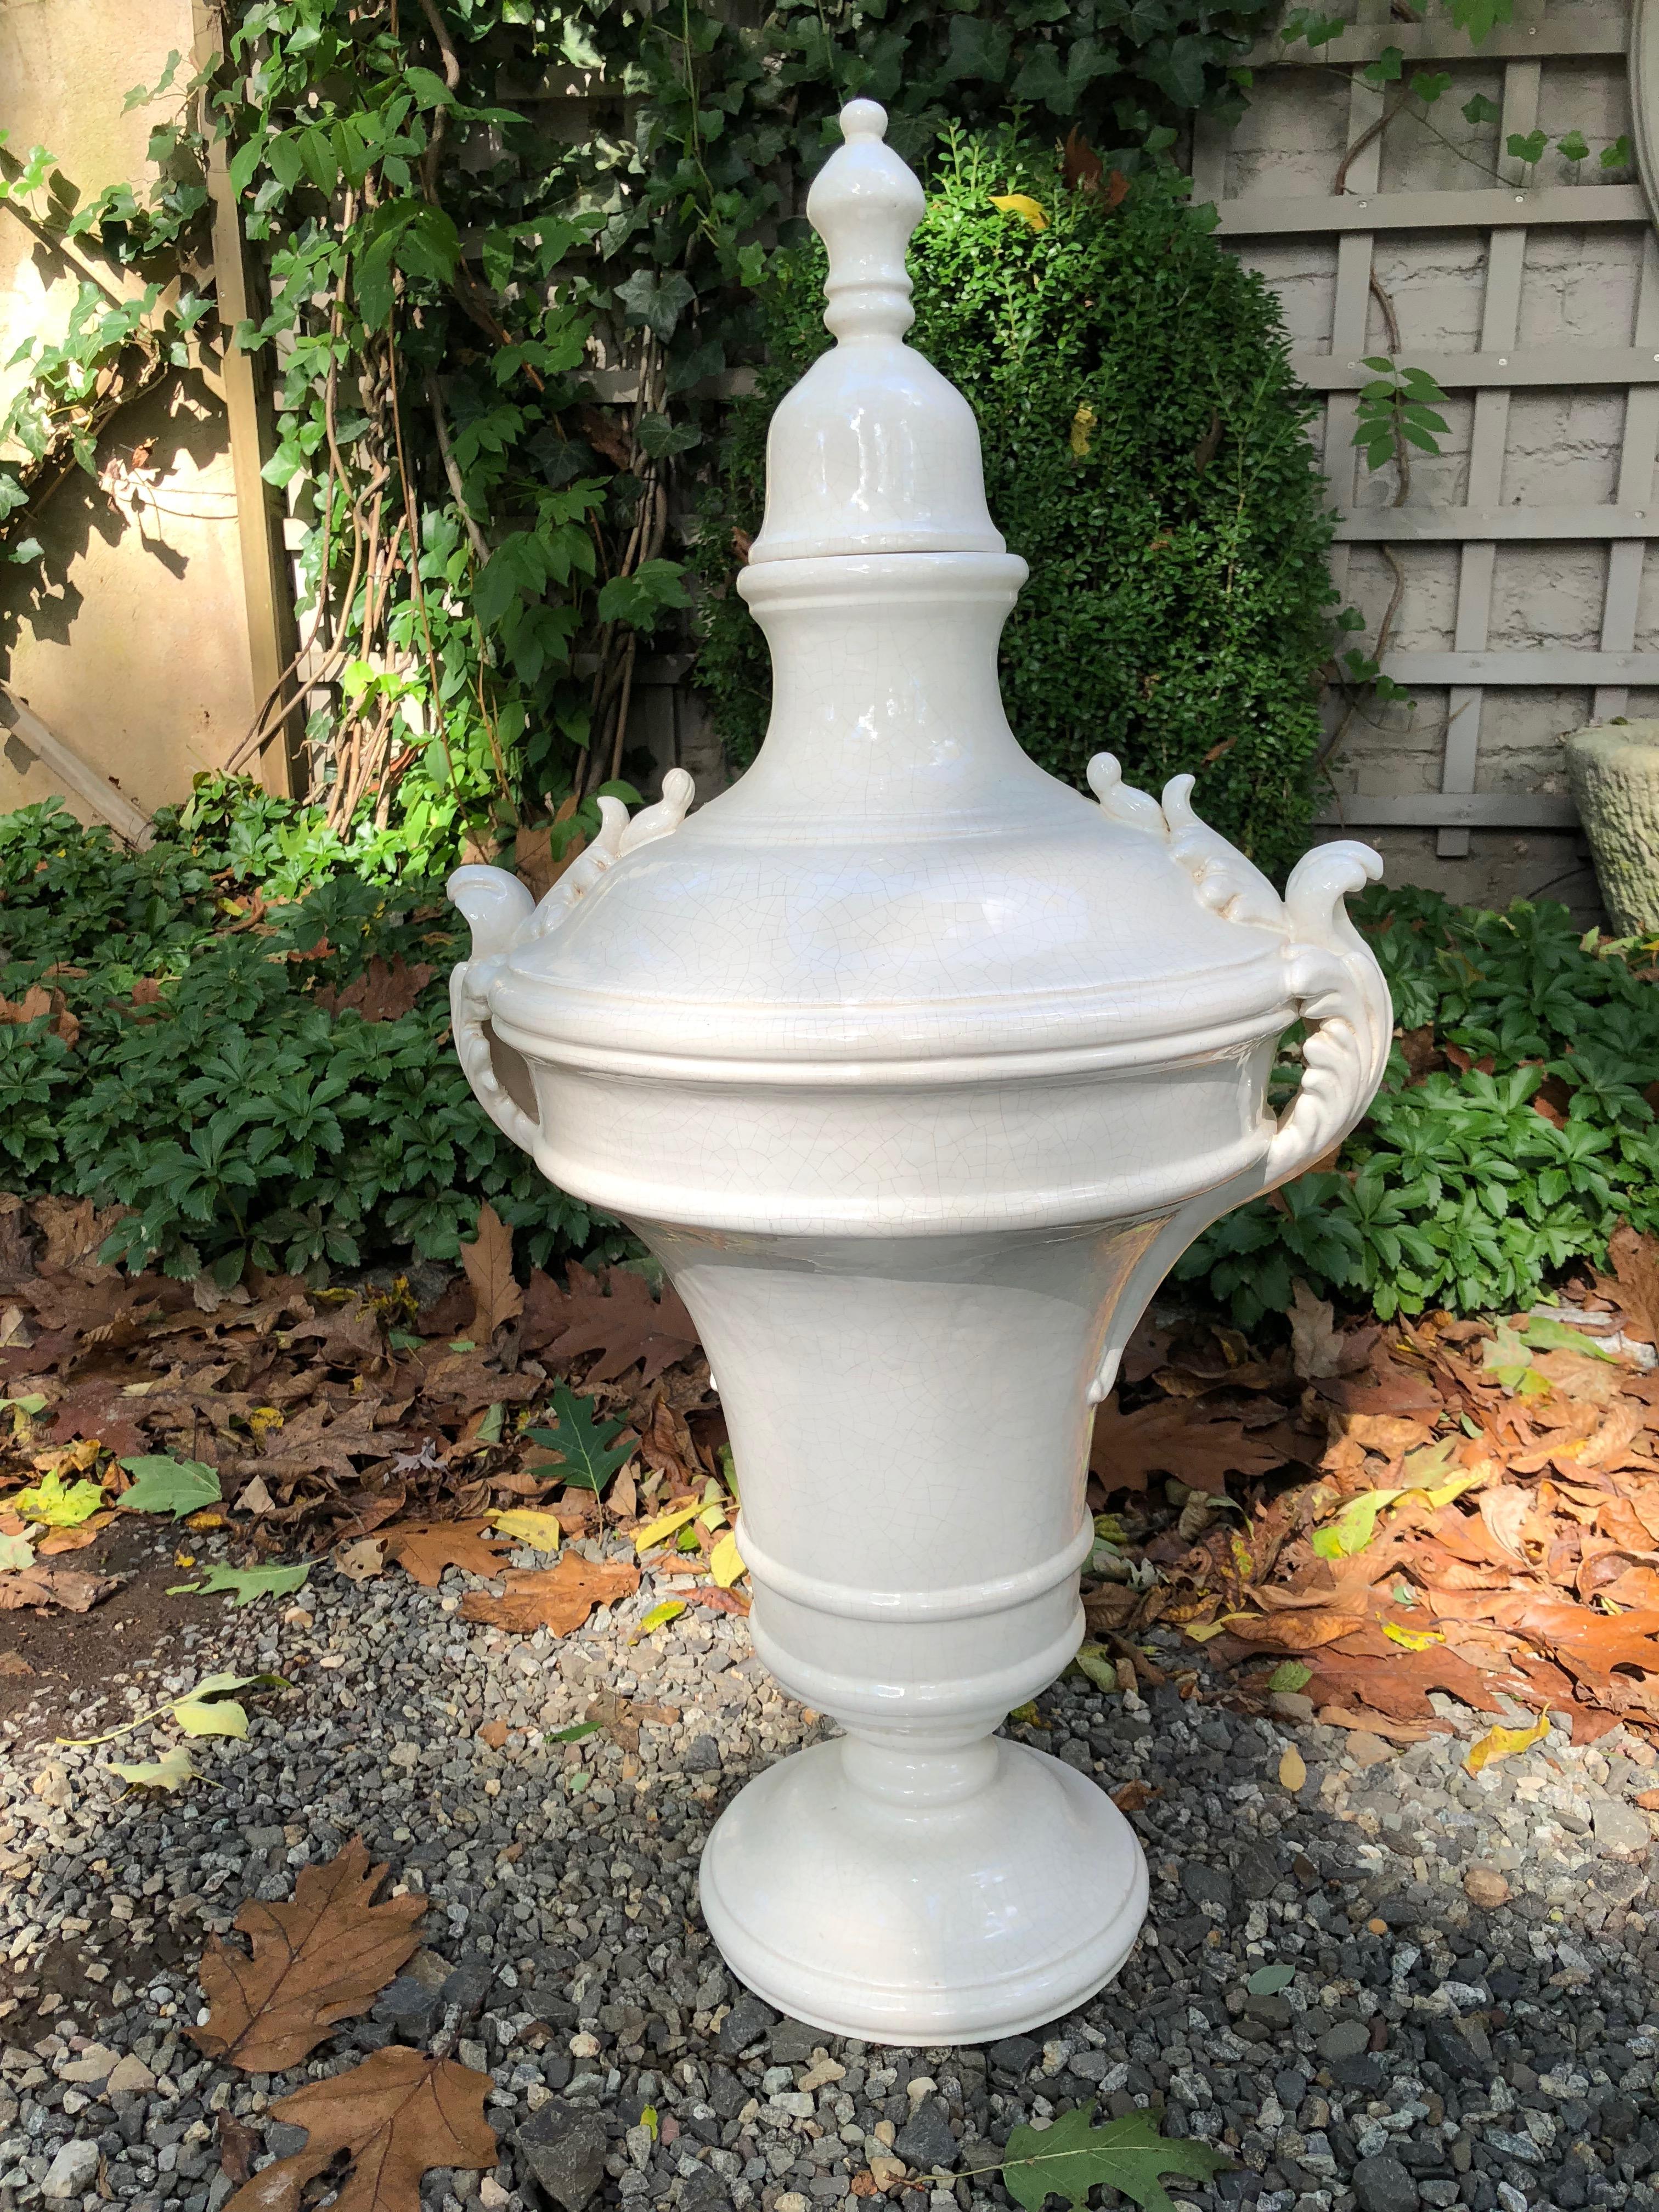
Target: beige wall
(1561,446)
(130,641)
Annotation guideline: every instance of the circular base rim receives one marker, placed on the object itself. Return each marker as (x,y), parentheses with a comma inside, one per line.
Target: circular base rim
(931,2012)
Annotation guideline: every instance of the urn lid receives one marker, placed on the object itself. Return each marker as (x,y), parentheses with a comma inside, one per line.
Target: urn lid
(873,451)
(893,881)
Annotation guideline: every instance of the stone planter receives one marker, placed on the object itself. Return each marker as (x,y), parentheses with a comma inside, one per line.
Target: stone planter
(1614,768)
(917,1070)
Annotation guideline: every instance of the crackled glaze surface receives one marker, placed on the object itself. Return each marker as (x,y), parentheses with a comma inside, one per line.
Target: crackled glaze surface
(917,1070)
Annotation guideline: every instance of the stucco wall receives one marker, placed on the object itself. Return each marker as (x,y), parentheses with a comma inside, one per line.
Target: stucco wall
(129,642)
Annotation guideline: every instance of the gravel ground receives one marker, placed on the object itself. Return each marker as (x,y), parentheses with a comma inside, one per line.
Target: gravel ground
(1473,2021)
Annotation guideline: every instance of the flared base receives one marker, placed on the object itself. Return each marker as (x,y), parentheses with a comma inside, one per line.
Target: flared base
(925,1922)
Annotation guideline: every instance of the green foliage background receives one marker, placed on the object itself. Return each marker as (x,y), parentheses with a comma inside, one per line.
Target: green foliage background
(1145,452)
(238,1117)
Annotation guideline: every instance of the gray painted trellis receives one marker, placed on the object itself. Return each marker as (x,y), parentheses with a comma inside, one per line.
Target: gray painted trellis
(1499,365)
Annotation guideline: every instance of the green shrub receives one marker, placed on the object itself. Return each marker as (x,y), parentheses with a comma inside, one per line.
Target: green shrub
(238,1116)
(1519,1133)
(1145,450)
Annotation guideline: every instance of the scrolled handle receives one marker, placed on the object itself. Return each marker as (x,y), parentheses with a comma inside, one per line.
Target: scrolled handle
(496,906)
(1342,995)
(469,1010)
(1333,981)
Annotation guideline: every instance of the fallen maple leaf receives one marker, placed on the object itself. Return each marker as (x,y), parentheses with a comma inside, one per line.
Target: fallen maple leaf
(558,1599)
(317,1960)
(394,2118)
(1169,1436)
(489,1264)
(425,1548)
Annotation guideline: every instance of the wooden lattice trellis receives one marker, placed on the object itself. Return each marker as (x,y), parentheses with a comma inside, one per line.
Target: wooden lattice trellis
(1497,366)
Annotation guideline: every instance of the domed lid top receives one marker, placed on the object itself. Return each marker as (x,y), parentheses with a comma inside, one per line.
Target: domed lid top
(873,451)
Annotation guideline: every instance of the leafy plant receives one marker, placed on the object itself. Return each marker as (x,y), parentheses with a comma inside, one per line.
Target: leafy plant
(1515,1129)
(216,1088)
(1145,450)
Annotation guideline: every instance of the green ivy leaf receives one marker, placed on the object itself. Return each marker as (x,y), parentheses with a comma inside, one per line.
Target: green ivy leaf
(1479,109)
(1073,2157)
(656,300)
(161,1485)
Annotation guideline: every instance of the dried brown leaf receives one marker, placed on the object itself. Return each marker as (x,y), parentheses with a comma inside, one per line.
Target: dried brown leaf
(1315,1343)
(489,1264)
(317,1960)
(394,2118)
(1636,1281)
(1292,1630)
(383,992)
(1171,1437)
(622,1323)
(425,1548)
(558,1598)
(65,1590)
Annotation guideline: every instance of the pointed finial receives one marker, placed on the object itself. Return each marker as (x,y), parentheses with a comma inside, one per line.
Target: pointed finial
(864,205)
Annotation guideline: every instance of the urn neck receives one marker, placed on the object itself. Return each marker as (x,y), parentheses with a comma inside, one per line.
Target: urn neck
(884,697)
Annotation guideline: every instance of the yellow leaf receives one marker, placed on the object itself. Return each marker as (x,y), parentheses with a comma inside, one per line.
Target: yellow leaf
(663,1525)
(713,1517)
(541,1531)
(1083,431)
(725,1562)
(1200,1632)
(1506,1742)
(1413,1639)
(15,1552)
(1023,205)
(59,1504)
(167,1772)
(1292,1769)
(223,1716)
(658,1617)
(262,1420)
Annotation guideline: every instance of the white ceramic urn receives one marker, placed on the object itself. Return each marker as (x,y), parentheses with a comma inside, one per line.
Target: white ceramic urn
(916,1070)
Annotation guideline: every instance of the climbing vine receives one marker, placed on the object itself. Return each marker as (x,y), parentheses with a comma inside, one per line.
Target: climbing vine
(500,354)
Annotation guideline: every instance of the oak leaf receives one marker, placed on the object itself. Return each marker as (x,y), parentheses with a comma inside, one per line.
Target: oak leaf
(1591,1645)
(622,1322)
(1315,1344)
(65,1587)
(384,991)
(1292,1630)
(316,1959)
(1398,1683)
(394,2118)
(558,1599)
(425,1548)
(1636,1272)
(489,1264)
(1171,1437)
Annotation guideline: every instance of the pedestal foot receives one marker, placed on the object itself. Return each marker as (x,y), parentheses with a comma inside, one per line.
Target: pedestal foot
(925,1922)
